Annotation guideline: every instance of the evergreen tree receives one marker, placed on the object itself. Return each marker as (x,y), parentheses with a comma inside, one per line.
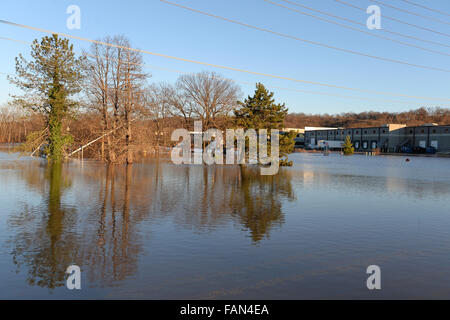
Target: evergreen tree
(49,81)
(348,147)
(261,112)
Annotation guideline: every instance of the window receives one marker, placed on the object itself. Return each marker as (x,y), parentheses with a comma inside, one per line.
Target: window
(365,132)
(374,131)
(357,132)
(422,131)
(356,144)
(434,130)
(410,131)
(384,131)
(365,144)
(349,132)
(446,130)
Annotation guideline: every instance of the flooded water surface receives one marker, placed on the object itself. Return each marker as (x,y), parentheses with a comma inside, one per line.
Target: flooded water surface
(156,230)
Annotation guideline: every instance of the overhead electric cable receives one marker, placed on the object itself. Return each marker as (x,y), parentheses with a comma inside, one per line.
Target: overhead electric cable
(307,41)
(410,12)
(396,20)
(221,66)
(365,26)
(236,81)
(426,8)
(372,34)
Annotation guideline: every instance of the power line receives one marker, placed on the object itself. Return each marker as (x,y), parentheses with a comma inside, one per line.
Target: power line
(294,90)
(299,90)
(362,24)
(340,95)
(305,40)
(396,20)
(357,30)
(426,8)
(236,81)
(221,66)
(92,56)
(410,12)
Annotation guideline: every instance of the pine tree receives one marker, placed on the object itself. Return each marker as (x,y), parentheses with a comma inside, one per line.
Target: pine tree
(49,81)
(261,112)
(348,147)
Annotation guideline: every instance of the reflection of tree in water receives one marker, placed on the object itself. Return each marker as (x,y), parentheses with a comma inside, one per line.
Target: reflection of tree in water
(101,239)
(258,200)
(113,247)
(103,235)
(204,198)
(43,244)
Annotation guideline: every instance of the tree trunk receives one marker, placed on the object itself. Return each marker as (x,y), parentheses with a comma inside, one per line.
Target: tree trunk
(128,141)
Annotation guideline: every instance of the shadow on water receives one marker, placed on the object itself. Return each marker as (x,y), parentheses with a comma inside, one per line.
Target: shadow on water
(100,217)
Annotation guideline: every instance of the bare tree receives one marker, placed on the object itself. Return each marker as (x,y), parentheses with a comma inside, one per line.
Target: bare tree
(209,95)
(177,103)
(157,111)
(116,82)
(99,67)
(133,95)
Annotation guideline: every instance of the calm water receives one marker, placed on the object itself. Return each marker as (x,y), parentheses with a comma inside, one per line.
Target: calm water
(160,231)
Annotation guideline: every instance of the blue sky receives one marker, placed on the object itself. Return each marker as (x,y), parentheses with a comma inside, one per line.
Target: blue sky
(158,27)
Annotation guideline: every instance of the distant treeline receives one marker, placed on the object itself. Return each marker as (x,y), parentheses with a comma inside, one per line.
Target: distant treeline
(16,124)
(370,118)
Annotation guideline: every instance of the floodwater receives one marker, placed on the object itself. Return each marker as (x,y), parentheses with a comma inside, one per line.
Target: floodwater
(160,231)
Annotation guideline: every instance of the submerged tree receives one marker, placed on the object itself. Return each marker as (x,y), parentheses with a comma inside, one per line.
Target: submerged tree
(116,88)
(50,81)
(348,146)
(261,112)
